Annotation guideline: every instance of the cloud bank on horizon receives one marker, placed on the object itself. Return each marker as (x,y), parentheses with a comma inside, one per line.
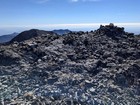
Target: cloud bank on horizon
(7,29)
(78,25)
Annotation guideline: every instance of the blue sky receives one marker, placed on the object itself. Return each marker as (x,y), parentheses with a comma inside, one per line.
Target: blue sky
(18,15)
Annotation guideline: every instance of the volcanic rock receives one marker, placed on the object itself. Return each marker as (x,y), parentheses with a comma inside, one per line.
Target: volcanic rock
(100,67)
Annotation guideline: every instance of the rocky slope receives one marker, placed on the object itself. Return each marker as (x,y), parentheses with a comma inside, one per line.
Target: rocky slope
(80,68)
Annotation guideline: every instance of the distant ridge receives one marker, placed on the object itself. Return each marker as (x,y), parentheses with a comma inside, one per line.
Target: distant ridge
(61,31)
(7,38)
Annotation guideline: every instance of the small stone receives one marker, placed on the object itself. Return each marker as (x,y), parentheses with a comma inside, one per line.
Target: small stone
(92,89)
(111,64)
(112,103)
(39,60)
(88,81)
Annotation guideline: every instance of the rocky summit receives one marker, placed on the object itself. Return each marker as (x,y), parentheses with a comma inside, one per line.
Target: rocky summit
(100,67)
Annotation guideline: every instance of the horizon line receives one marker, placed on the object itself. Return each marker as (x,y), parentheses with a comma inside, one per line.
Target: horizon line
(75,25)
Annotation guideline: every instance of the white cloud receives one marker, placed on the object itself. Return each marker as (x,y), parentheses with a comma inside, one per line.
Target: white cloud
(74,0)
(90,0)
(41,1)
(85,0)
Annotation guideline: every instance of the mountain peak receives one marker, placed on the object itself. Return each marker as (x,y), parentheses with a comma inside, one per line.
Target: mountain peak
(30,34)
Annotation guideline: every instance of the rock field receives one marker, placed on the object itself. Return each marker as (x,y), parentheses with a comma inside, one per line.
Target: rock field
(100,67)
